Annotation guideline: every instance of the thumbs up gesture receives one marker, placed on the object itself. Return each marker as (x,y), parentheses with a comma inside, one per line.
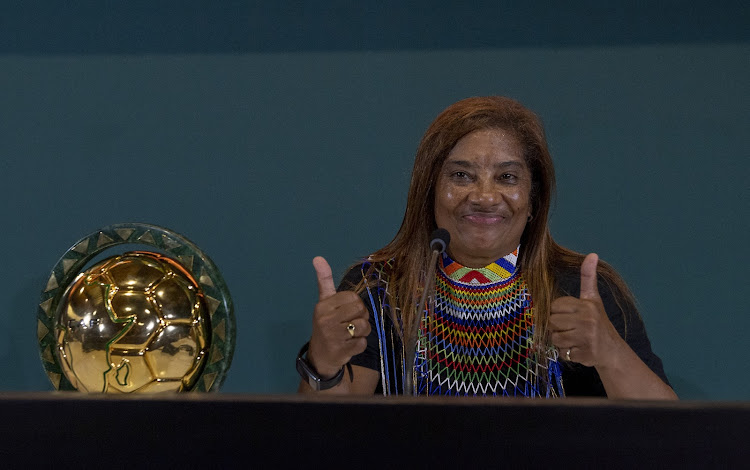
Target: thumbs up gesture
(340,324)
(579,326)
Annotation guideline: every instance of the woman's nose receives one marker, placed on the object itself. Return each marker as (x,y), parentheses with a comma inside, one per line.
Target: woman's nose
(484,192)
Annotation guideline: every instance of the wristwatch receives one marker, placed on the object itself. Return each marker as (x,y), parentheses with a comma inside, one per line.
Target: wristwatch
(310,375)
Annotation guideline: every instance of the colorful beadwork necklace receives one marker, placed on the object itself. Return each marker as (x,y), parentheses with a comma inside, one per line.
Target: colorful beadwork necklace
(478,340)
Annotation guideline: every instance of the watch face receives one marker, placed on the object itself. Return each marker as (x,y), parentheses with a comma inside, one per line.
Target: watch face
(305,371)
(316,383)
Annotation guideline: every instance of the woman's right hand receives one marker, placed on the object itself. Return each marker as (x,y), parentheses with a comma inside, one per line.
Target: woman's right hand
(332,344)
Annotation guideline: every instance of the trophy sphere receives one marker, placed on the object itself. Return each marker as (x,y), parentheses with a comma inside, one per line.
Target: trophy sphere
(143,321)
(133,323)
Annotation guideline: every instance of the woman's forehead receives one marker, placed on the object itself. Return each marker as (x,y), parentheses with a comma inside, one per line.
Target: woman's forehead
(487,146)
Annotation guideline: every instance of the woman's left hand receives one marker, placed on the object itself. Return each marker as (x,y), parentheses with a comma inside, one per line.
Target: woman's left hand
(580,328)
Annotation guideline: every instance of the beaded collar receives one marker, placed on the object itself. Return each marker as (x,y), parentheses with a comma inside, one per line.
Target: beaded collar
(501,270)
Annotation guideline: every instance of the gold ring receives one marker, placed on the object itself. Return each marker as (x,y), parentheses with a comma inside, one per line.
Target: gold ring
(567,354)
(350,328)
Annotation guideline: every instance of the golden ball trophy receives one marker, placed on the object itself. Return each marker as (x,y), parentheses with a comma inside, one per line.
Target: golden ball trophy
(137,322)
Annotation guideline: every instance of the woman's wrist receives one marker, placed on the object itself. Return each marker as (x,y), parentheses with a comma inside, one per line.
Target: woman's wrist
(312,376)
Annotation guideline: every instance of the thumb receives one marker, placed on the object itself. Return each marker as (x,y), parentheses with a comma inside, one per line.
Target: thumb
(589,290)
(326,288)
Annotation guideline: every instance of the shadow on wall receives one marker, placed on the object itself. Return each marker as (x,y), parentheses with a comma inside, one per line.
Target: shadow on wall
(191,26)
(687,390)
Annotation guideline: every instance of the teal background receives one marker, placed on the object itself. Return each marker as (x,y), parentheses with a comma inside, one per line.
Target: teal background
(271,134)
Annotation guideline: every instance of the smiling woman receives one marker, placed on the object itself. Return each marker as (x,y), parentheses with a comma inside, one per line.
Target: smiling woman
(482,197)
(511,312)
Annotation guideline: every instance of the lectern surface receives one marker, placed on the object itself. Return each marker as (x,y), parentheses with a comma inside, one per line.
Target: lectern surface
(64,429)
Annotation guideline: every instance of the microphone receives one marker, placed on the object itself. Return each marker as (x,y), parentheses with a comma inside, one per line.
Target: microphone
(439,240)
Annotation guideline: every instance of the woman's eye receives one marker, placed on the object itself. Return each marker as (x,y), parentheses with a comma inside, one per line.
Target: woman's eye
(508,177)
(460,175)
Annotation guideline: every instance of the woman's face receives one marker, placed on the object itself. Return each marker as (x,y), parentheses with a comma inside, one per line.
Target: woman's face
(482,197)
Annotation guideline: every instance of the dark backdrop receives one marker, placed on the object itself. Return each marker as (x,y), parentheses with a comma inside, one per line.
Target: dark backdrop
(271,134)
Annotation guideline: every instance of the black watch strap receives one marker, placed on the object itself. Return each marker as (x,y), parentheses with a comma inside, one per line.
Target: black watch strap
(310,375)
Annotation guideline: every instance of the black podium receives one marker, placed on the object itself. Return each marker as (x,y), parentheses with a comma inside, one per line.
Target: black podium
(70,430)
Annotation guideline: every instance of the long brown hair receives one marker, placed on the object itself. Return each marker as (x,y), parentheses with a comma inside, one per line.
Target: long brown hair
(539,257)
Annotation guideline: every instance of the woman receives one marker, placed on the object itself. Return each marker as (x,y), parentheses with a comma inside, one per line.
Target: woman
(511,312)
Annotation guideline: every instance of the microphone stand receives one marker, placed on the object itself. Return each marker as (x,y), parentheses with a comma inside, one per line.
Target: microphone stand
(410,351)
